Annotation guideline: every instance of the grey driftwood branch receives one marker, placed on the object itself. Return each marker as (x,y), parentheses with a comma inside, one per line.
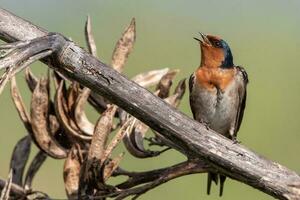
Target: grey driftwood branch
(192,138)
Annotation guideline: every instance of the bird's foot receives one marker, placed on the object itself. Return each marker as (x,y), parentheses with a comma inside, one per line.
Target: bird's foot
(206,124)
(235,141)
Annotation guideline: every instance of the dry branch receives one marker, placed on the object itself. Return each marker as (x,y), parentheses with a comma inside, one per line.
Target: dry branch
(191,138)
(156,177)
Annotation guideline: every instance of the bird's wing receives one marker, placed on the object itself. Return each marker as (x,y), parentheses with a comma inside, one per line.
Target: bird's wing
(191,85)
(242,98)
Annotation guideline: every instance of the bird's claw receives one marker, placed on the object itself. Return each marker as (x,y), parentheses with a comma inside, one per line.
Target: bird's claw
(206,124)
(235,141)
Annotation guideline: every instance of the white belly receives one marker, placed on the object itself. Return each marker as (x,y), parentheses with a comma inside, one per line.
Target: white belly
(217,109)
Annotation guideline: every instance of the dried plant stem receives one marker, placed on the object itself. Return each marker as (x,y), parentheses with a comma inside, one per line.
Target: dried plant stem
(5,193)
(15,189)
(151,179)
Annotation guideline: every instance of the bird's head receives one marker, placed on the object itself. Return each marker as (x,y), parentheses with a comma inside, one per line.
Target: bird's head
(215,52)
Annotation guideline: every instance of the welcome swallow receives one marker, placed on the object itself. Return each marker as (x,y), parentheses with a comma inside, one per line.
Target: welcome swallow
(218,92)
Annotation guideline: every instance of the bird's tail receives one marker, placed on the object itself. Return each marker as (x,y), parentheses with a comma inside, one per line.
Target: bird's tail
(222,180)
(211,177)
(215,177)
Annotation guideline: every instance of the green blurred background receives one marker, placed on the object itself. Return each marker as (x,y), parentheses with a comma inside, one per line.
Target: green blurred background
(264,38)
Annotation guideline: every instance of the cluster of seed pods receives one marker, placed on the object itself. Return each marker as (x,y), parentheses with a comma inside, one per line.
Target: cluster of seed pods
(60,128)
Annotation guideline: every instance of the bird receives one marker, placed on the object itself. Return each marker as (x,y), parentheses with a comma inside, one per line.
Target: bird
(218,93)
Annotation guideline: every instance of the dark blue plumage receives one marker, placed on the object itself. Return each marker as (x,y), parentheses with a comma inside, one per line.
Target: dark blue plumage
(228,59)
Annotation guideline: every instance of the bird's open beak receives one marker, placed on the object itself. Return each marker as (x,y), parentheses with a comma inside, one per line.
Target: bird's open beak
(203,40)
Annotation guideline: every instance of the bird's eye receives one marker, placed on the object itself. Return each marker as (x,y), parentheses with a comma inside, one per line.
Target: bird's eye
(217,44)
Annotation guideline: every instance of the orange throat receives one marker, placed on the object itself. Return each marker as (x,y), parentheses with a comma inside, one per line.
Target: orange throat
(211,78)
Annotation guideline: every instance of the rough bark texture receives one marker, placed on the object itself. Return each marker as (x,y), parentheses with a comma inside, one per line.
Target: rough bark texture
(191,137)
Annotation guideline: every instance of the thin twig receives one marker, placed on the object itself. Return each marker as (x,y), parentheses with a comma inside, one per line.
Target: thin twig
(151,179)
(5,193)
(15,189)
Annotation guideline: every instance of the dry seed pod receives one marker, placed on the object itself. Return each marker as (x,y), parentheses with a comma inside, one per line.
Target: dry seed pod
(31,80)
(89,38)
(180,89)
(59,133)
(71,173)
(53,124)
(34,166)
(6,190)
(150,78)
(57,78)
(91,174)
(17,99)
(40,125)
(123,47)
(63,93)
(165,83)
(73,93)
(175,99)
(62,116)
(126,128)
(19,159)
(102,130)
(111,166)
(133,142)
(138,135)
(80,117)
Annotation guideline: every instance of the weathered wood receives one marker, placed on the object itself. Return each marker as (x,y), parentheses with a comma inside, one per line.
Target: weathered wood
(191,137)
